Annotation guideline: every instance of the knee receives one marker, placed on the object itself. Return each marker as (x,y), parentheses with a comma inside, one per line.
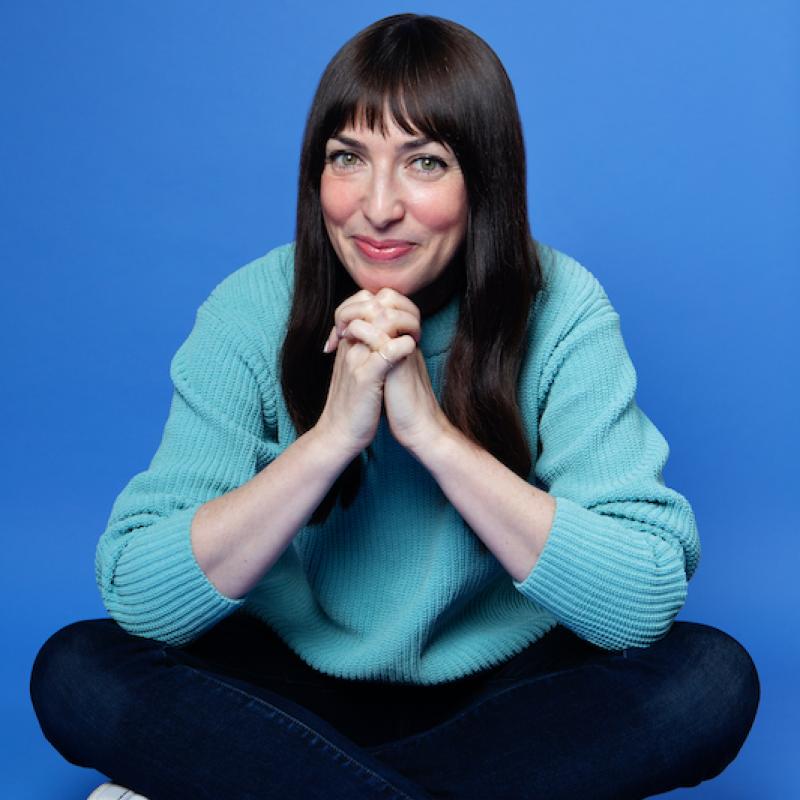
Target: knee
(721,694)
(61,681)
(726,666)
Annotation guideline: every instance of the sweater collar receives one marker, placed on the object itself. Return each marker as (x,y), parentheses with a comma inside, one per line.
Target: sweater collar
(438,328)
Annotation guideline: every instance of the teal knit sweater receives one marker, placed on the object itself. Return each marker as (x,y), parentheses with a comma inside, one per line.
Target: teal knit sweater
(396,587)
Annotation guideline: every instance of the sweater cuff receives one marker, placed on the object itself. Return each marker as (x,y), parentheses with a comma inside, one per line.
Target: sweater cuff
(158,589)
(604,582)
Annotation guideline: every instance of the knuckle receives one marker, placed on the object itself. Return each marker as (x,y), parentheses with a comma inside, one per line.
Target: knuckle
(358,326)
(387,294)
(383,317)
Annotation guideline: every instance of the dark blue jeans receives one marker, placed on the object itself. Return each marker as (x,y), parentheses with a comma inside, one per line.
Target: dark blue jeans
(236,714)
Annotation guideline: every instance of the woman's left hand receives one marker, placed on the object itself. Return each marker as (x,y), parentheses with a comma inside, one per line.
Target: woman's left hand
(415,417)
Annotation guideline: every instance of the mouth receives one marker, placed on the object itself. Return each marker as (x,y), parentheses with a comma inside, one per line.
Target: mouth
(387,250)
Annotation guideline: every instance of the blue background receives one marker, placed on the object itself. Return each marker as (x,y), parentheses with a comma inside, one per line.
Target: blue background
(149,149)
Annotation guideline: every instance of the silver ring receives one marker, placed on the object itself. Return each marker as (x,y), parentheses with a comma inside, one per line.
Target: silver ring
(388,361)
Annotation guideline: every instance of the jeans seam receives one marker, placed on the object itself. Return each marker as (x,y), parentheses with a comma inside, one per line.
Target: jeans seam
(283,713)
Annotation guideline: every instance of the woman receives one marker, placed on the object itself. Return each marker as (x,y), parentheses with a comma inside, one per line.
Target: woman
(406,534)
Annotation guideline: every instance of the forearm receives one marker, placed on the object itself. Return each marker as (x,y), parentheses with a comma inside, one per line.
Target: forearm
(238,536)
(511,517)
(613,584)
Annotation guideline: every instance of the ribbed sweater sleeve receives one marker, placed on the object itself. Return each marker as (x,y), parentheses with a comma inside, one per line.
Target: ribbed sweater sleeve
(213,441)
(622,546)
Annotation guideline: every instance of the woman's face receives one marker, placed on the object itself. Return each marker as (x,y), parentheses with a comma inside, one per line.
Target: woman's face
(395,208)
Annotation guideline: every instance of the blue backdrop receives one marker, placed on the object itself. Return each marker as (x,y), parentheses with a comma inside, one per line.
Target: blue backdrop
(149,149)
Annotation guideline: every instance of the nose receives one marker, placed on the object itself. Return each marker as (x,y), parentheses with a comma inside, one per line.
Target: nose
(383,202)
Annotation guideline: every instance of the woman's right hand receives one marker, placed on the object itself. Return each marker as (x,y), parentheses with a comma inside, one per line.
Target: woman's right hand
(355,396)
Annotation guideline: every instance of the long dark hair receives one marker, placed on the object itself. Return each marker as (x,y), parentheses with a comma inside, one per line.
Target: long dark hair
(443,81)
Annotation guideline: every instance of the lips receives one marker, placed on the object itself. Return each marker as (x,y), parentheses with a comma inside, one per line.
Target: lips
(383,250)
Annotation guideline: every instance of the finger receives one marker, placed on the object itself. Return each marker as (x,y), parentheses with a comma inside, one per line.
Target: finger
(351,309)
(331,342)
(367,333)
(396,350)
(359,297)
(394,322)
(386,297)
(393,299)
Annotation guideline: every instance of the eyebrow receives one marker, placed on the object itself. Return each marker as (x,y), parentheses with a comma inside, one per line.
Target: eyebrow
(409,145)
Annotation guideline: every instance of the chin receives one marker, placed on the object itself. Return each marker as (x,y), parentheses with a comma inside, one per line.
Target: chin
(375,282)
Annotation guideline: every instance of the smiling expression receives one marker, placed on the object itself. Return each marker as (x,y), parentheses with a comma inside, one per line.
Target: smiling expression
(395,207)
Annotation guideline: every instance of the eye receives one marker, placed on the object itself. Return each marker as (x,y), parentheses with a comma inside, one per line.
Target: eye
(432,162)
(349,159)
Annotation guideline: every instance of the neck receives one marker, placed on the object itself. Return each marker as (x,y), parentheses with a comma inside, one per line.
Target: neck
(437,294)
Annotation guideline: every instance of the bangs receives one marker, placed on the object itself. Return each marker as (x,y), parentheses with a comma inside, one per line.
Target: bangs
(412,85)
(374,109)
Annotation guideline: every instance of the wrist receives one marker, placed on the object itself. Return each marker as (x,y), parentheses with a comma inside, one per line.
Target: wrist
(332,447)
(431,447)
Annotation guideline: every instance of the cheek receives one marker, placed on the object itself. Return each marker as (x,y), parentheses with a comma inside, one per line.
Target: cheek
(338,200)
(443,211)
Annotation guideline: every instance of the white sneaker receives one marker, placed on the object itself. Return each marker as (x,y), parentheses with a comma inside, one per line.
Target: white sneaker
(110,791)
